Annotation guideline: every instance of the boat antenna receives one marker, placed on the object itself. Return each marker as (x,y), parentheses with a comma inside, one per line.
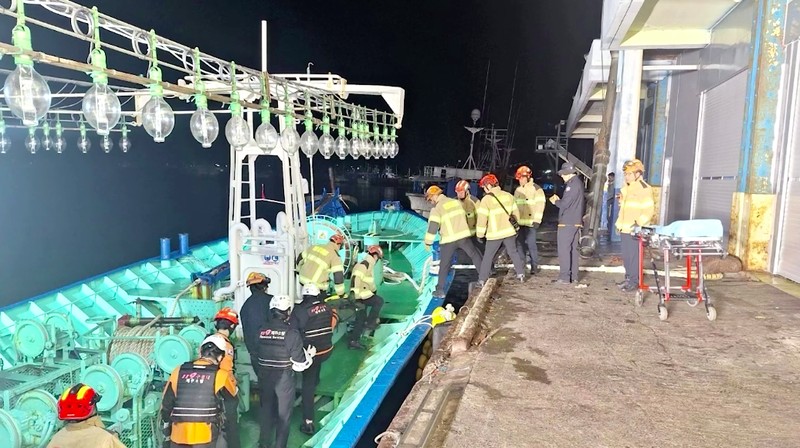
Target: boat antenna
(485,88)
(513,88)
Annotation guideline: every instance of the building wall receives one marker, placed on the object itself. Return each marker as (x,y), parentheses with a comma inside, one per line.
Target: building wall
(681,138)
(730,51)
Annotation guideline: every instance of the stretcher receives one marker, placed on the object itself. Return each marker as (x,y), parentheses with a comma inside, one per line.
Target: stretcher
(691,240)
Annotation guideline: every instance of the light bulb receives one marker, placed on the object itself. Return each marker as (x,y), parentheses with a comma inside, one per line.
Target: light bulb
(326,145)
(237,132)
(84,144)
(204,127)
(107,144)
(101,108)
(342,146)
(124,143)
(309,143)
(59,144)
(355,147)
(32,143)
(290,140)
(158,118)
(5,145)
(266,137)
(27,94)
(395,149)
(47,142)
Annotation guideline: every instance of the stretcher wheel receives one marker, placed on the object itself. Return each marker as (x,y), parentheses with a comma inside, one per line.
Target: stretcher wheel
(639,298)
(711,313)
(663,314)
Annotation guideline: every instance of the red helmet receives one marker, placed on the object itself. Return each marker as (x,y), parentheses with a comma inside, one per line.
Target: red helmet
(375,250)
(77,403)
(523,171)
(337,238)
(228,314)
(462,186)
(489,179)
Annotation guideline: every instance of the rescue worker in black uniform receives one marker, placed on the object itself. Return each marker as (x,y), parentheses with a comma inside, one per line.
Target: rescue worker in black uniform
(570,222)
(315,321)
(255,313)
(195,399)
(280,354)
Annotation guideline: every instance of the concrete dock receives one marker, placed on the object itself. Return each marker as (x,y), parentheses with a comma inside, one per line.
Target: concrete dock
(564,367)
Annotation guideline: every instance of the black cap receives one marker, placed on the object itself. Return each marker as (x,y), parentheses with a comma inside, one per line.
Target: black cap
(566,168)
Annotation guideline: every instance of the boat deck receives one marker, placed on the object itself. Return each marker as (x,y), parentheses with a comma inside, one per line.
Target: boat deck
(567,367)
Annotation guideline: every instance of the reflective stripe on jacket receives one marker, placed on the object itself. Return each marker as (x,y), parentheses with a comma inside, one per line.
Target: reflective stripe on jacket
(636,206)
(493,221)
(530,202)
(362,283)
(470,209)
(449,218)
(318,263)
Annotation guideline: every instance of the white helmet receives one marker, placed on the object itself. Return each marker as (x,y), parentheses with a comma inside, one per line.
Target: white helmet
(217,340)
(310,290)
(282,303)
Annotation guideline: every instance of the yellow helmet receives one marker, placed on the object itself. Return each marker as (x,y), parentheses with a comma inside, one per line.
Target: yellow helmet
(632,166)
(432,190)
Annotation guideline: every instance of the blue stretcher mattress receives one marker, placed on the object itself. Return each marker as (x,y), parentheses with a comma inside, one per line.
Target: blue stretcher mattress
(693,228)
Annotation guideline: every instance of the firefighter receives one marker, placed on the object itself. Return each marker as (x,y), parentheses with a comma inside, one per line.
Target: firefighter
(315,321)
(225,321)
(280,354)
(468,203)
(570,222)
(317,263)
(530,202)
(77,407)
(254,313)
(449,219)
(362,289)
(196,397)
(497,216)
(637,207)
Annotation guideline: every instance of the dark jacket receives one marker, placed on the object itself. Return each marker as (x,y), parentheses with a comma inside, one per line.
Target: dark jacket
(570,207)
(254,316)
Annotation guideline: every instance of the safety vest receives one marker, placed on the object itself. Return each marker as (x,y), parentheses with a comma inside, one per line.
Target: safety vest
(318,262)
(319,327)
(636,206)
(530,202)
(196,400)
(272,350)
(362,283)
(449,218)
(493,221)
(470,209)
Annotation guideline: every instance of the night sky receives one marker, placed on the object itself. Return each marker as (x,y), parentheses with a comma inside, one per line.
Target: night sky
(67,217)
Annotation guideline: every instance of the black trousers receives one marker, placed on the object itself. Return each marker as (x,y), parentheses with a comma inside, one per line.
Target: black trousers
(231,431)
(568,237)
(277,391)
(375,303)
(446,252)
(310,383)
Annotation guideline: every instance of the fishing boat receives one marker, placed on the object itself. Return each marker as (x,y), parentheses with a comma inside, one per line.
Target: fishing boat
(124,331)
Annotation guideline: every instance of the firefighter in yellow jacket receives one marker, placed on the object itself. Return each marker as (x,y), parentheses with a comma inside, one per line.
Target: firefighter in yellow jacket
(318,263)
(498,217)
(636,208)
(530,202)
(449,219)
(468,204)
(363,288)
(77,407)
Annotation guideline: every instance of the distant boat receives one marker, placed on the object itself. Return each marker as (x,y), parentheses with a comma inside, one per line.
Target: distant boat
(444,176)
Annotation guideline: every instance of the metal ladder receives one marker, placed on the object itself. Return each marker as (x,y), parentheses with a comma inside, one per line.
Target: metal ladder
(557,148)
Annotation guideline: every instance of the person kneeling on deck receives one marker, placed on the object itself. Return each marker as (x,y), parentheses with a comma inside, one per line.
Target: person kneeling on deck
(77,406)
(636,208)
(530,202)
(280,354)
(318,262)
(315,321)
(362,286)
(449,219)
(196,398)
(225,321)
(497,222)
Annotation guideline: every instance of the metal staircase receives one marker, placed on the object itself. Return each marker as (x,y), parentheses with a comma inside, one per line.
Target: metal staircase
(556,147)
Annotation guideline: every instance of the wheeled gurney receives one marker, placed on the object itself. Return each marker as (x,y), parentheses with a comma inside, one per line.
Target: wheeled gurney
(690,239)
